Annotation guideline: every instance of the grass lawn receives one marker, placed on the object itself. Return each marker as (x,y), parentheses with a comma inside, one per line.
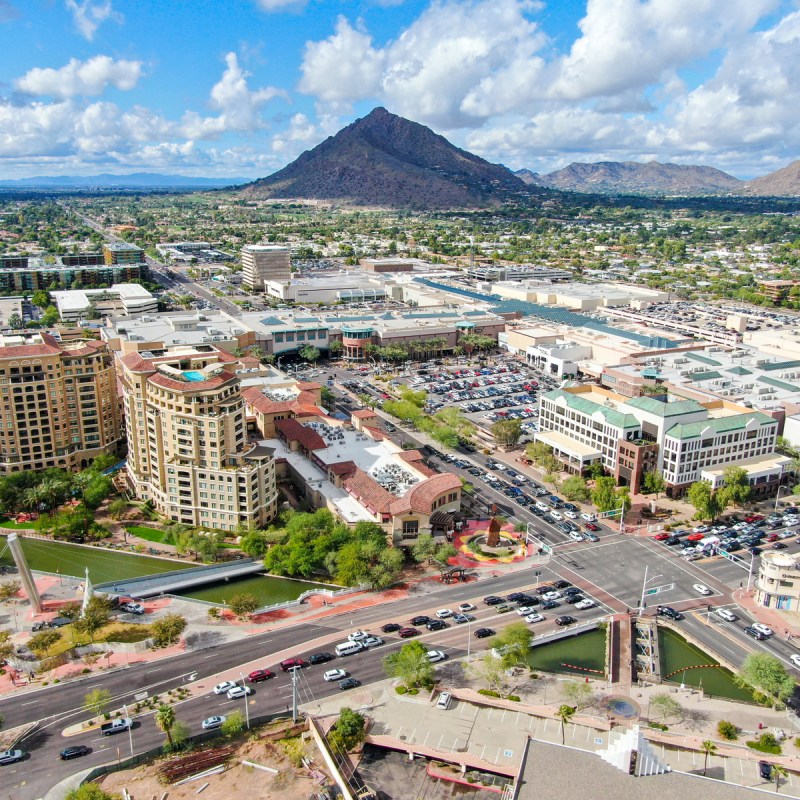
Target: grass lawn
(10,523)
(150,534)
(114,632)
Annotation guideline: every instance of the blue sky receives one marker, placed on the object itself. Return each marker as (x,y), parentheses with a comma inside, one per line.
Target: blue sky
(241,87)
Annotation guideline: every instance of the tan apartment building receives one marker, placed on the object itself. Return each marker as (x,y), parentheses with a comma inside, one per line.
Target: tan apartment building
(58,403)
(264,262)
(188,448)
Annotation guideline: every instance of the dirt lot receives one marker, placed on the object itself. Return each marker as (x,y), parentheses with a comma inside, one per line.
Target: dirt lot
(238,780)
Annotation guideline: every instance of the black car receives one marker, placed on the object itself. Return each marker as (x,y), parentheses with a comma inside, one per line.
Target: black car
(320,658)
(483,633)
(565,620)
(436,625)
(573,598)
(420,620)
(514,597)
(526,599)
(349,683)
(76,751)
(390,627)
(666,611)
(492,600)
(755,633)
(571,590)
(755,551)
(672,541)
(562,584)
(550,604)
(765,770)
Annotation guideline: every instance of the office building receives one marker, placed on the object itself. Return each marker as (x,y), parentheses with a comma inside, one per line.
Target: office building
(685,440)
(777,584)
(122,253)
(58,403)
(188,449)
(262,263)
(126,299)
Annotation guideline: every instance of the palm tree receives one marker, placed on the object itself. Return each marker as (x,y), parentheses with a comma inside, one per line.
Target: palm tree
(778,772)
(165,719)
(565,713)
(53,491)
(709,748)
(32,498)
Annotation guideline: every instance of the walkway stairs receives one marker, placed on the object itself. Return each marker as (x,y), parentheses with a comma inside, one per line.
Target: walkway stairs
(630,752)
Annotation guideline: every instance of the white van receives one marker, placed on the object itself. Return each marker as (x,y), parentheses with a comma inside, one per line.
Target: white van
(444,701)
(348,648)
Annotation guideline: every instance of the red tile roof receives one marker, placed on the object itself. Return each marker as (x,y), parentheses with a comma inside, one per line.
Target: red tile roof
(342,468)
(301,406)
(307,386)
(416,459)
(420,498)
(190,387)
(295,432)
(363,414)
(135,363)
(368,491)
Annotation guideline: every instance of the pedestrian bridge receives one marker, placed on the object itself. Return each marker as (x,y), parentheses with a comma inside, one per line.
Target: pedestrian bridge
(168,582)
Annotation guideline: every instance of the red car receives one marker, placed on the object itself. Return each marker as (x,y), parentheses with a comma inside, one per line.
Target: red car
(773,537)
(695,537)
(754,518)
(291,663)
(407,633)
(590,526)
(260,675)
(661,537)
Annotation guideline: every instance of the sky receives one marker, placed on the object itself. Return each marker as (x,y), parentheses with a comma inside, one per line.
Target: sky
(235,88)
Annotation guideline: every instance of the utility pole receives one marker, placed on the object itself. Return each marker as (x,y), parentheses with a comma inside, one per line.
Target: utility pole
(294,693)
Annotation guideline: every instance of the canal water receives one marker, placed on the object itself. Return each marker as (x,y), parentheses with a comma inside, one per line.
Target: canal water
(587,650)
(679,656)
(114,565)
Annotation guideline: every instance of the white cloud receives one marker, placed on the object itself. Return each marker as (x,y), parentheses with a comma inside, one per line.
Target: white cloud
(281,5)
(89,15)
(90,77)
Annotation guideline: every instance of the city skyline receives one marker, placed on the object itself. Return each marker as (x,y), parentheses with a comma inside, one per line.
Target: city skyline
(242,88)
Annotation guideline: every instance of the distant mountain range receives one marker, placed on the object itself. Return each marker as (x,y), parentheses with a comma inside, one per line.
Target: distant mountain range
(131,181)
(632,177)
(387,161)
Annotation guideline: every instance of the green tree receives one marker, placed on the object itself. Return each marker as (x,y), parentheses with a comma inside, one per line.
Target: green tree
(309,353)
(165,720)
(709,748)
(50,316)
(89,791)
(243,604)
(654,482)
(424,549)
(254,544)
(778,771)
(411,664)
(514,644)
(565,713)
(445,553)
(578,693)
(6,645)
(490,669)
(41,298)
(727,730)
(666,706)
(95,616)
(507,432)
(234,723)
(604,494)
(348,731)
(708,502)
(41,642)
(9,590)
(180,734)
(766,674)
(335,347)
(96,700)
(116,508)
(736,489)
(575,489)
(15,322)
(168,629)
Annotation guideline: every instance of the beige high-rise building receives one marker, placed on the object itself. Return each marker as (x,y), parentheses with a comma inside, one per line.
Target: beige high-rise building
(188,449)
(59,404)
(265,262)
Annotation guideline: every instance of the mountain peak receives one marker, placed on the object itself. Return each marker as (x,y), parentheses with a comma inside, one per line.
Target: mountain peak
(386,160)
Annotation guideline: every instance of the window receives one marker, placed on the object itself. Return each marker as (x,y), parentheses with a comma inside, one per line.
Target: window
(410,527)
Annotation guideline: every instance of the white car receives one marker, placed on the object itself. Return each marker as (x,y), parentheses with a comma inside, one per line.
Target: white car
(587,517)
(464,607)
(535,617)
(762,628)
(701,588)
(523,611)
(551,595)
(225,686)
(209,723)
(335,674)
(133,608)
(570,515)
(371,641)
(556,515)
(727,615)
(357,636)
(584,604)
(239,691)
(576,536)
(444,613)
(795,659)
(436,655)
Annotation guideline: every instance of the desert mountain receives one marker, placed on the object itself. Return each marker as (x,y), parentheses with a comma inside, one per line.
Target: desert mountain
(782,182)
(388,161)
(531,178)
(623,177)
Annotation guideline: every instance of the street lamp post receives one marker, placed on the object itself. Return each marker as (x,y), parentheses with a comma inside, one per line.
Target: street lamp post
(246,709)
(130,729)
(469,637)
(778,494)
(644,585)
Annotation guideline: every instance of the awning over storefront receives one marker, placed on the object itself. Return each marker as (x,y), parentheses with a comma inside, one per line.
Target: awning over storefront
(564,445)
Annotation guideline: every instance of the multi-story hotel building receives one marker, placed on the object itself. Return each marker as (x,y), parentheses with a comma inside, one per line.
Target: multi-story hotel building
(58,403)
(188,449)
(685,440)
(264,262)
(778,582)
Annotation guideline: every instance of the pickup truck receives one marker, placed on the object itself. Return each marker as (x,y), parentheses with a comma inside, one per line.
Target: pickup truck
(116,726)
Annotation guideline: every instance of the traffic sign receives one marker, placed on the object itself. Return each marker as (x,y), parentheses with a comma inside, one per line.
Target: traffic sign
(658,589)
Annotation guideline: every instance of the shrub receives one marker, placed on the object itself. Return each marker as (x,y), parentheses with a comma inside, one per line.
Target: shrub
(727,730)
(659,726)
(401,690)
(413,690)
(513,697)
(56,680)
(489,693)
(766,743)
(85,671)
